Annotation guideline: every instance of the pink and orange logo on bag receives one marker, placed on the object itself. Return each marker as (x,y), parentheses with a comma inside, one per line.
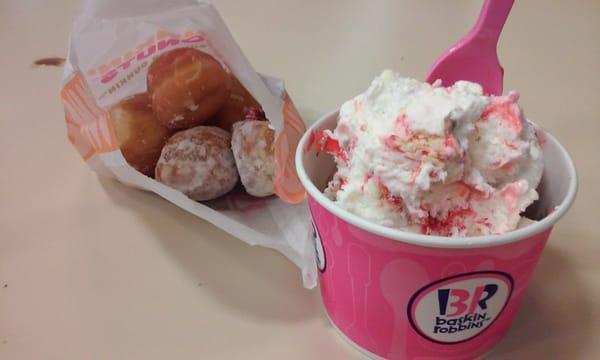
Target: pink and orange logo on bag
(159,42)
(88,126)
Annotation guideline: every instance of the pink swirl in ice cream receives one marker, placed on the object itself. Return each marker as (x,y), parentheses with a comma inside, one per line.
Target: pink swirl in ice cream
(434,160)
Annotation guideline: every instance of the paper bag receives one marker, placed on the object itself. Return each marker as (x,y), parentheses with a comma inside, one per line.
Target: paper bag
(111,48)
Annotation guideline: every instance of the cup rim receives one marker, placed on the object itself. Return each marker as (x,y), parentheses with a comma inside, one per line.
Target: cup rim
(435,240)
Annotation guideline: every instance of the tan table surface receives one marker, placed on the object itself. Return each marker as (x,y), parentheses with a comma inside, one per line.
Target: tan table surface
(90,269)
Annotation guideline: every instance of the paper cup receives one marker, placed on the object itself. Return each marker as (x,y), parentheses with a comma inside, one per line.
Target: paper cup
(400,295)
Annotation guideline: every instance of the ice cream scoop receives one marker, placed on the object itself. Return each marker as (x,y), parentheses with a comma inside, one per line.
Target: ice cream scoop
(435,160)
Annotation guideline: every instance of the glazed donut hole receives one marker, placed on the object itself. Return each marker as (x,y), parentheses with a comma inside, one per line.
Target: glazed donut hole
(140,136)
(239,101)
(187,87)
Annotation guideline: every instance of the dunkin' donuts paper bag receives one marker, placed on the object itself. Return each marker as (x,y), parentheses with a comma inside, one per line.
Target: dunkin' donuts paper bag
(112,45)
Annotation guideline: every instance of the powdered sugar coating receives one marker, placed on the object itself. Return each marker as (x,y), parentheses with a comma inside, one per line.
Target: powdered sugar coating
(442,161)
(199,163)
(253,148)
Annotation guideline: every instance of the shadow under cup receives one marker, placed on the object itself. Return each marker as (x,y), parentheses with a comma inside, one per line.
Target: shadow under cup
(399,295)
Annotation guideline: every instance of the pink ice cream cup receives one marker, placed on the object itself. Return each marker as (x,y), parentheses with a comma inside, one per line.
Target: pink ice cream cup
(400,295)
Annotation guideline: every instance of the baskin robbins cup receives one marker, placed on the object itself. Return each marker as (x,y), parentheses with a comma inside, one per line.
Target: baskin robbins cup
(400,295)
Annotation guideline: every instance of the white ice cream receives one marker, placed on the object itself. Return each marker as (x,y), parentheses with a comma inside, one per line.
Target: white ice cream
(434,160)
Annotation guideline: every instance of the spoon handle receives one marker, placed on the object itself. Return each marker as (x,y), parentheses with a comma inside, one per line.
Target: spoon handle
(491,20)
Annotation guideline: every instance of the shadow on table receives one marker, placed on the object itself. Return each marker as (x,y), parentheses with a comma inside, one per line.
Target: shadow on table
(554,321)
(555,318)
(251,280)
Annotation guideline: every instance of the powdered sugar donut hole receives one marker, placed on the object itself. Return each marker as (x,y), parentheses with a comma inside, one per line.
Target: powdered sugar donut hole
(199,163)
(253,148)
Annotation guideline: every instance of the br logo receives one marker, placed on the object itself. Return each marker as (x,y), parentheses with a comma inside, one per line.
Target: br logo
(463,301)
(460,307)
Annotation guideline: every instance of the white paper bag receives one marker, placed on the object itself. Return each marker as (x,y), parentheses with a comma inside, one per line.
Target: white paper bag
(111,47)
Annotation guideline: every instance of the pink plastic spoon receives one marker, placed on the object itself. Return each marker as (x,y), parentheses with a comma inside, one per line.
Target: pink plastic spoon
(474,57)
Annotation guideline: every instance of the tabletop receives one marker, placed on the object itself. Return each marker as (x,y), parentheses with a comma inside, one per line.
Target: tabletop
(91,269)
